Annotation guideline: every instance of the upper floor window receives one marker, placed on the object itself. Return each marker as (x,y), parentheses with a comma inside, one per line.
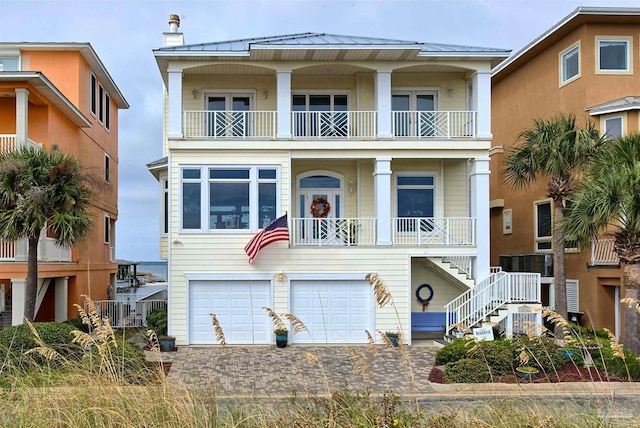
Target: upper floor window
(543,227)
(9,63)
(613,127)
(165,206)
(107,229)
(100,103)
(93,83)
(107,168)
(324,115)
(414,113)
(570,64)
(238,198)
(416,195)
(614,54)
(226,115)
(107,109)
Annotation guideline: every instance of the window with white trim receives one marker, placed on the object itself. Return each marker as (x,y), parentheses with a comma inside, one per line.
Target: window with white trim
(234,198)
(10,63)
(107,168)
(570,64)
(614,54)
(543,225)
(416,195)
(93,82)
(165,205)
(107,229)
(613,127)
(100,103)
(107,111)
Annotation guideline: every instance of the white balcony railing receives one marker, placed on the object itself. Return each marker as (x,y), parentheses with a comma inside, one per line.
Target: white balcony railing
(434,124)
(334,124)
(229,124)
(448,231)
(124,314)
(602,252)
(334,232)
(8,142)
(48,251)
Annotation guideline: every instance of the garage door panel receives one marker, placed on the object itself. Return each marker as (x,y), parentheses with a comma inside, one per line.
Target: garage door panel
(333,311)
(237,305)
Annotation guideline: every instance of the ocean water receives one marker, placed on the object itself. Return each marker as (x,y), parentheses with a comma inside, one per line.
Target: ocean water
(159,268)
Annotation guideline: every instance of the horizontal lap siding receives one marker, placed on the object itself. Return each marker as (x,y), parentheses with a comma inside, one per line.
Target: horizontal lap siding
(455,189)
(444,290)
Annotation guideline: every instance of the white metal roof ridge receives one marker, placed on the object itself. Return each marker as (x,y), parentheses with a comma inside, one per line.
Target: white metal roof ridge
(582,10)
(617,105)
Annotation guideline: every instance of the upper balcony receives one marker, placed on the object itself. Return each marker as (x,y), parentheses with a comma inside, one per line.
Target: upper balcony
(8,142)
(48,251)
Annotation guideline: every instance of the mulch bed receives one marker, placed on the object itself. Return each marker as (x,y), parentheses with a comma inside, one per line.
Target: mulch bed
(568,373)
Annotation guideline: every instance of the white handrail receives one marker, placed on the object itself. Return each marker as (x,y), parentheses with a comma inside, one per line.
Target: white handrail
(447,231)
(477,303)
(229,124)
(336,232)
(124,314)
(434,124)
(334,124)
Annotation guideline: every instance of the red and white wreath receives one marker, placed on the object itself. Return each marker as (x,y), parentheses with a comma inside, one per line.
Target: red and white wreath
(320,207)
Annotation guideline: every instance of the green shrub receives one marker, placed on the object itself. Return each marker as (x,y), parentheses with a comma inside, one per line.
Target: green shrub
(16,340)
(157,321)
(542,352)
(453,351)
(498,354)
(123,361)
(467,370)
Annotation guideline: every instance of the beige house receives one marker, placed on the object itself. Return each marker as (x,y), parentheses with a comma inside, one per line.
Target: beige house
(587,64)
(376,149)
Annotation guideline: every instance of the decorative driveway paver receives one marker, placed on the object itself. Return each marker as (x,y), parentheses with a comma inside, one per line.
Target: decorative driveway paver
(270,371)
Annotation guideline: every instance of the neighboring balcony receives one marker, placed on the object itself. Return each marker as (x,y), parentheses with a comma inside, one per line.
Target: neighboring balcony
(354,232)
(8,142)
(357,125)
(48,251)
(603,254)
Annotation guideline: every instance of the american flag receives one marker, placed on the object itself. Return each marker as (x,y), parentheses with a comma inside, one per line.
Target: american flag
(277,230)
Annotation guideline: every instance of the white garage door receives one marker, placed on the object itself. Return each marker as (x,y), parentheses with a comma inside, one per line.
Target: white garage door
(238,307)
(333,311)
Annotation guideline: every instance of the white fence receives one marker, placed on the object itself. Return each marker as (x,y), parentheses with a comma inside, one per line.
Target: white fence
(123,314)
(334,124)
(448,231)
(7,250)
(340,232)
(229,124)
(602,252)
(434,124)
(477,303)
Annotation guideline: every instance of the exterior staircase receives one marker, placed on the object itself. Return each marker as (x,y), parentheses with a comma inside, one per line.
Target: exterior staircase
(458,269)
(502,298)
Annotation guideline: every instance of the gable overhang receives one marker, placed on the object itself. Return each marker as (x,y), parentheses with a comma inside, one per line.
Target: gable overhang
(89,55)
(45,88)
(568,24)
(615,106)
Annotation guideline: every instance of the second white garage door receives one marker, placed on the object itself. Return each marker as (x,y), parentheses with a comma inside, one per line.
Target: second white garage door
(333,311)
(238,307)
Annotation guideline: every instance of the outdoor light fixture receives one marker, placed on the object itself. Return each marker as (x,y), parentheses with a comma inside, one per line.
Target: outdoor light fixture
(450,91)
(280,276)
(264,94)
(352,184)
(194,93)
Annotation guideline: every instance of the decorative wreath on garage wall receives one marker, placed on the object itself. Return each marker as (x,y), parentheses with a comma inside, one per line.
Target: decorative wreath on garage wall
(320,207)
(422,300)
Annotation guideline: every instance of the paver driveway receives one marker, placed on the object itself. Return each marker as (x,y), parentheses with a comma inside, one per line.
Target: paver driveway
(267,371)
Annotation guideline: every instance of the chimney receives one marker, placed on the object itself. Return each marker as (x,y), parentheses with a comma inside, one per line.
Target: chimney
(173,37)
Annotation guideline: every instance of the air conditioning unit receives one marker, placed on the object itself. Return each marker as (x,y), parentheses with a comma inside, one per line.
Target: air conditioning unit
(535,263)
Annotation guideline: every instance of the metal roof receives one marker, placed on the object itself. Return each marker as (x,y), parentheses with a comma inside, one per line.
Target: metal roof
(614,106)
(324,40)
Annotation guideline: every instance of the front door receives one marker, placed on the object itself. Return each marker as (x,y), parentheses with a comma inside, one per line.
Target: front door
(319,211)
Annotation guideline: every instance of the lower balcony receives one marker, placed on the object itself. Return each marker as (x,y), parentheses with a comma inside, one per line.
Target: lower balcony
(354,232)
(48,251)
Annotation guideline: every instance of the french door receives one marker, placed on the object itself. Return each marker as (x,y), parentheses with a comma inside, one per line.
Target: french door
(322,226)
(414,113)
(228,115)
(320,115)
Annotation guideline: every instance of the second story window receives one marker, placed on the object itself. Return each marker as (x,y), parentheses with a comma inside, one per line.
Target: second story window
(614,55)
(570,64)
(320,115)
(414,113)
(227,115)
(93,102)
(107,168)
(107,118)
(100,103)
(9,63)
(543,227)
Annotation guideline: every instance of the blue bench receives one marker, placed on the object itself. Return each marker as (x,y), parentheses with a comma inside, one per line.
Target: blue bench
(429,321)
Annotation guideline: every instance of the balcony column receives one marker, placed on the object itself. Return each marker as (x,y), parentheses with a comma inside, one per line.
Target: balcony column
(481,81)
(382,200)
(62,298)
(174,79)
(22,117)
(18,286)
(480,210)
(283,99)
(383,104)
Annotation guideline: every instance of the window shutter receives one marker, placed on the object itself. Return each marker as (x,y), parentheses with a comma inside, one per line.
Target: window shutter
(572,295)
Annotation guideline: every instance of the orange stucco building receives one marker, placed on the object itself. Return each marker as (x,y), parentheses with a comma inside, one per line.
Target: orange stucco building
(60,96)
(588,65)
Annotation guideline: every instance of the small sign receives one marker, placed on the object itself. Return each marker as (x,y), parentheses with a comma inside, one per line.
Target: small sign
(483,333)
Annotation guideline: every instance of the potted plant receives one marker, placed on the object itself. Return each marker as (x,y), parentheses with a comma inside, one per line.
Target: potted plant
(282,336)
(527,372)
(157,321)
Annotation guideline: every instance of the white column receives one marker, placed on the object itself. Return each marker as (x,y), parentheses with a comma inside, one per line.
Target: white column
(481,81)
(382,200)
(18,287)
(283,82)
(175,103)
(62,298)
(480,210)
(22,117)
(383,104)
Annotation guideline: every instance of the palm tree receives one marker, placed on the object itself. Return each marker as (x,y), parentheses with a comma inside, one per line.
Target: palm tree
(39,189)
(609,202)
(557,150)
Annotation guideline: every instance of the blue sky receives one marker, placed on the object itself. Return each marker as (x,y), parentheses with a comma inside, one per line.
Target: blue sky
(123,32)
